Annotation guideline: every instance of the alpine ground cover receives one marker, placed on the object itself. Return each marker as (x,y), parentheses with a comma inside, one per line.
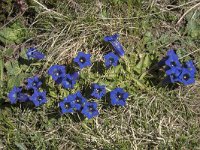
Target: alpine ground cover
(155,116)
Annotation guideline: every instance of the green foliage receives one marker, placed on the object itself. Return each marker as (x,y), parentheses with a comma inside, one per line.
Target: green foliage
(15,33)
(193,25)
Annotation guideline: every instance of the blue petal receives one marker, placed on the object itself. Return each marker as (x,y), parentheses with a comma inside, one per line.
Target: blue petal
(116,44)
(14,95)
(121,103)
(34,53)
(190,66)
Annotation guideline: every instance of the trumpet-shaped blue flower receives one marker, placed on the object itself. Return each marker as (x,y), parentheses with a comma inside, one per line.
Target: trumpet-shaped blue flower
(34,53)
(33,83)
(67,105)
(118,97)
(38,98)
(16,95)
(173,74)
(79,100)
(111,60)
(57,72)
(98,91)
(187,77)
(115,43)
(82,60)
(90,110)
(68,82)
(172,59)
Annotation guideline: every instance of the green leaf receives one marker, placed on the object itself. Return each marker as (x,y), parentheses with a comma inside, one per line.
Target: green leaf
(13,68)
(1,68)
(8,52)
(193,26)
(13,81)
(21,146)
(147,61)
(16,33)
(16,80)
(139,65)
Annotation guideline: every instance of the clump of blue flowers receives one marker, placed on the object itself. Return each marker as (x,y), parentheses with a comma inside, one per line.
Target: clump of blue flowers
(58,74)
(32,92)
(177,72)
(76,102)
(16,95)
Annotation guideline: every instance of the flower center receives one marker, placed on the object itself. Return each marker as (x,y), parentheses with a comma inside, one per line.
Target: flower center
(39,98)
(91,109)
(15,95)
(82,59)
(34,84)
(97,90)
(173,64)
(57,72)
(78,100)
(186,77)
(119,95)
(67,105)
(111,60)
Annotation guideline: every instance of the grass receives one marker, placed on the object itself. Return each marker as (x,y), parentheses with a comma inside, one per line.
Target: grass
(156,117)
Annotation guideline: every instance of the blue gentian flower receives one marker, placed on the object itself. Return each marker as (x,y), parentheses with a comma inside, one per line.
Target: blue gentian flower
(118,97)
(34,53)
(187,77)
(115,43)
(111,60)
(57,72)
(79,100)
(67,105)
(98,91)
(33,83)
(190,66)
(38,98)
(173,74)
(16,95)
(90,110)
(83,60)
(68,82)
(172,59)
